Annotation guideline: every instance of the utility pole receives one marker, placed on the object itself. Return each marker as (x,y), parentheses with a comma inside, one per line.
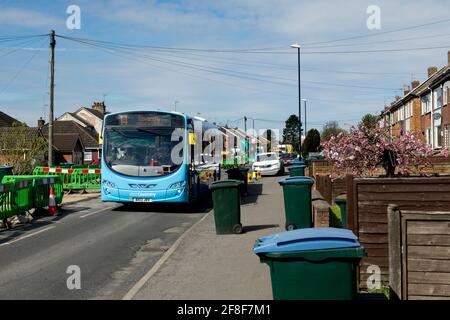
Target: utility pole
(52,96)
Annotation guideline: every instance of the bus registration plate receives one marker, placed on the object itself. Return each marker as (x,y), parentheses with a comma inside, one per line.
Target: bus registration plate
(142,200)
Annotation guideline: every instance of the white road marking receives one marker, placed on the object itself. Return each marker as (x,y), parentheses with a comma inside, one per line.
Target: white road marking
(95,212)
(26,236)
(138,286)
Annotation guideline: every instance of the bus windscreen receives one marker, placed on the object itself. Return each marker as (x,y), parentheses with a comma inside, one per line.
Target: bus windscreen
(141,144)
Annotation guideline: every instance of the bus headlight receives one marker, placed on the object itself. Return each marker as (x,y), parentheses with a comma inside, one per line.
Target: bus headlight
(177,185)
(109,184)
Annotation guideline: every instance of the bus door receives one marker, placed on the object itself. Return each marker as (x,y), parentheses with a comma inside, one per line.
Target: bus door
(193,178)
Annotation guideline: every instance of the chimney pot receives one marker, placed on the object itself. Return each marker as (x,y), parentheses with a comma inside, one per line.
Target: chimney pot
(448,57)
(415,84)
(406,90)
(432,70)
(41,123)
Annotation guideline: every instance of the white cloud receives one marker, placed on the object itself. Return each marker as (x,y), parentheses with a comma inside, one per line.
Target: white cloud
(27,18)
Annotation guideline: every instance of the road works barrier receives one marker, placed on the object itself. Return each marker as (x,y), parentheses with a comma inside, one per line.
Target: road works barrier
(19,194)
(74,178)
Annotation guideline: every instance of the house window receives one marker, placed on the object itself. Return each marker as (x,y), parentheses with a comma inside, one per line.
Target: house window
(437,136)
(437,98)
(408,110)
(426,104)
(446,92)
(408,125)
(88,156)
(408,116)
(402,113)
(428,136)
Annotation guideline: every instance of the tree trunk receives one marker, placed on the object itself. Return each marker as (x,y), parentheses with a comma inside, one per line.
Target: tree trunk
(389,162)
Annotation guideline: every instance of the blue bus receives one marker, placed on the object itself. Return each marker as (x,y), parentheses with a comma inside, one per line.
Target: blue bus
(149,156)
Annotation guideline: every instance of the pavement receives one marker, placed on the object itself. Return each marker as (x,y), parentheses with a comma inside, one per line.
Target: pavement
(208,266)
(78,197)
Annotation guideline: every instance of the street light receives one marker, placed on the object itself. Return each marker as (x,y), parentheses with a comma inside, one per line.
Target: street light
(175,103)
(297,46)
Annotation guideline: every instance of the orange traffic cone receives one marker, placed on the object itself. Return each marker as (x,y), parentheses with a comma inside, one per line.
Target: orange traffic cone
(52,208)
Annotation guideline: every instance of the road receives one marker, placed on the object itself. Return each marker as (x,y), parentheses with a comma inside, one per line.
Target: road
(114,246)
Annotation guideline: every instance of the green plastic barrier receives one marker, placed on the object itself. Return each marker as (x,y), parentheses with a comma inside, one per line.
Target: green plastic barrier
(7,209)
(42,185)
(19,194)
(74,179)
(40,188)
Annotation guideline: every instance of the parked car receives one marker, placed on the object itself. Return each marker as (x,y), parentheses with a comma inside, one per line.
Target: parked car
(286,159)
(268,163)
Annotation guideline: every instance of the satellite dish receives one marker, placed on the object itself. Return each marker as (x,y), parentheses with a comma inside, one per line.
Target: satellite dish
(436,116)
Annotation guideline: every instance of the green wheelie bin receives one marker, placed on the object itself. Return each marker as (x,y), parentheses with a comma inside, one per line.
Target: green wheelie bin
(240,174)
(341,201)
(297,202)
(6,171)
(227,206)
(297,170)
(312,264)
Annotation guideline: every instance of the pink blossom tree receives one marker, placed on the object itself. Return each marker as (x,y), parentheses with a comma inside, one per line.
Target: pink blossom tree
(363,150)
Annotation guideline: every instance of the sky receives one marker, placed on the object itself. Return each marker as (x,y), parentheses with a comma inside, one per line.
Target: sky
(222,60)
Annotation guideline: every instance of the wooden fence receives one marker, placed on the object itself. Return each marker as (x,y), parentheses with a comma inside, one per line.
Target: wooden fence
(319,168)
(439,166)
(367,202)
(419,251)
(330,188)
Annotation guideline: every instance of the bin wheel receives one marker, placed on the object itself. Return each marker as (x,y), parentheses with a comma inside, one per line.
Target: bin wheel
(290,226)
(237,229)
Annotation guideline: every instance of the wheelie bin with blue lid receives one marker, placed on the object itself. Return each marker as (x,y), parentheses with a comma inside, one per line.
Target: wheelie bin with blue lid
(312,264)
(297,202)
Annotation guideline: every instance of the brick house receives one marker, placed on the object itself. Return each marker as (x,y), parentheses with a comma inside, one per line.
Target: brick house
(424,109)
(72,142)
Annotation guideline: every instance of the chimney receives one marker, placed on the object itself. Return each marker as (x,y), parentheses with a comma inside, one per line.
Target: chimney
(406,90)
(432,70)
(397,98)
(415,84)
(448,57)
(99,106)
(41,123)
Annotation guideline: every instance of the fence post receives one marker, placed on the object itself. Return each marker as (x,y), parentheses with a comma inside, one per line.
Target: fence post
(395,252)
(350,204)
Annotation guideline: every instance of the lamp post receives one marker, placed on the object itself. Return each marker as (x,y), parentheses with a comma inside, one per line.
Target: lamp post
(175,103)
(297,46)
(306,131)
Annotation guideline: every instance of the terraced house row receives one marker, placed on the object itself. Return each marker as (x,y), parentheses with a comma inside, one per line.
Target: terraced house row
(424,109)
